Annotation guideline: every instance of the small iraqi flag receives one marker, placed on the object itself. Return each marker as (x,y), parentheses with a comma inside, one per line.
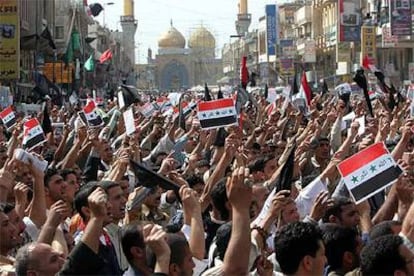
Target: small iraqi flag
(369,171)
(91,115)
(8,117)
(33,134)
(217,113)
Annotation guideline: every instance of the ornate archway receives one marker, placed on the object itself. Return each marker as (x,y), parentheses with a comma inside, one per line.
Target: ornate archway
(174,76)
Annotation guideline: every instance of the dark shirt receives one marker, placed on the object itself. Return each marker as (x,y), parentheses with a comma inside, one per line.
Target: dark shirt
(82,261)
(210,228)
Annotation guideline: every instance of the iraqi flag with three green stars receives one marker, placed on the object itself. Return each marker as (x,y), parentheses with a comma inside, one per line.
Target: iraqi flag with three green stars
(217,113)
(369,171)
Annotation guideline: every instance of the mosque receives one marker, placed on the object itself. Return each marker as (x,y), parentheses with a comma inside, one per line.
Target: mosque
(179,67)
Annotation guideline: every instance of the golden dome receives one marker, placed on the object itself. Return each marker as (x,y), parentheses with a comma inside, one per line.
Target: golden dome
(172,39)
(202,38)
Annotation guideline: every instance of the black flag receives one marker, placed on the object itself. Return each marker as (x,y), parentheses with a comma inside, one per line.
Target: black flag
(284,181)
(181,116)
(325,89)
(207,96)
(46,123)
(220,94)
(361,80)
(48,36)
(96,9)
(295,86)
(266,91)
(149,178)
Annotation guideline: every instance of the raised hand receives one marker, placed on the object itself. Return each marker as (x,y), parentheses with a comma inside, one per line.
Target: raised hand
(322,202)
(98,203)
(238,193)
(57,213)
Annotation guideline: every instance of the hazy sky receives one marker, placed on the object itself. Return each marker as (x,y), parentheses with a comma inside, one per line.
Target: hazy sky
(154,19)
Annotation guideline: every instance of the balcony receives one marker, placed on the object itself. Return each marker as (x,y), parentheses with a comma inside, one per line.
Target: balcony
(303,15)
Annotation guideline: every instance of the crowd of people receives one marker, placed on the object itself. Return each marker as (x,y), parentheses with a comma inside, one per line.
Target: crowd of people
(263,197)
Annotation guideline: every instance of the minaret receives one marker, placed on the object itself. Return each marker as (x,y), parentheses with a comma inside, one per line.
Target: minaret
(129,27)
(243,18)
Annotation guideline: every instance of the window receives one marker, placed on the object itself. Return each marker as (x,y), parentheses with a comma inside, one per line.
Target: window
(59,32)
(24,14)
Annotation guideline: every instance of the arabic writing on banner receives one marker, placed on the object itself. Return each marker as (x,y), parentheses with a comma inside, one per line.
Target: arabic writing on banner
(9,40)
(368,42)
(62,73)
(350,20)
(400,15)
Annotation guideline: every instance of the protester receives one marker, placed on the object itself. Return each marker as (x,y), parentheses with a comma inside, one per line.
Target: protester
(296,186)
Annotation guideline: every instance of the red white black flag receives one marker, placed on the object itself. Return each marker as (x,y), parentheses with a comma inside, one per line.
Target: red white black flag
(369,171)
(33,134)
(8,117)
(218,113)
(91,115)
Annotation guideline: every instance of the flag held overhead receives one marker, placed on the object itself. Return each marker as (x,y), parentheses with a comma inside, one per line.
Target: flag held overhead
(218,113)
(369,171)
(8,117)
(150,179)
(33,134)
(92,116)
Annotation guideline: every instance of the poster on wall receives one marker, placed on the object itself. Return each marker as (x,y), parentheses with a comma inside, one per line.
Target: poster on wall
(350,20)
(9,40)
(400,17)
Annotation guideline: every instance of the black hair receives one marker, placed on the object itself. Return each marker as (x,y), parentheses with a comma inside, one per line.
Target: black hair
(336,208)
(65,172)
(81,197)
(257,165)
(107,184)
(383,228)
(131,236)
(295,241)
(223,235)
(8,207)
(177,244)
(50,172)
(194,180)
(219,199)
(382,257)
(338,240)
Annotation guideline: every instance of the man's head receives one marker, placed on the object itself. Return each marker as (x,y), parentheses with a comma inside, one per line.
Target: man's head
(387,255)
(8,233)
(69,176)
(262,168)
(107,152)
(219,199)
(133,244)
(181,260)
(323,149)
(290,212)
(196,183)
(116,198)
(38,259)
(300,249)
(56,187)
(16,220)
(343,212)
(388,227)
(342,247)
(153,199)
(81,200)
